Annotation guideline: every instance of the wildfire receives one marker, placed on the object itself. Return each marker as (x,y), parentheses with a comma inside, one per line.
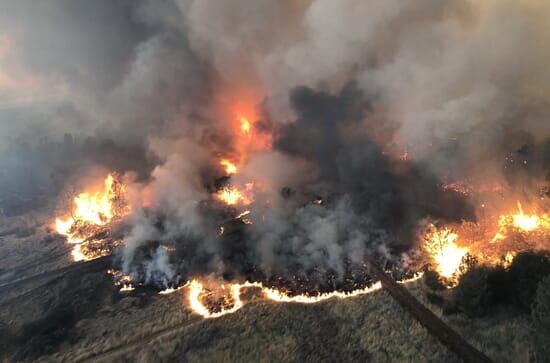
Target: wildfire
(63,227)
(234,196)
(121,280)
(243,214)
(508,259)
(95,209)
(77,253)
(466,188)
(127,288)
(245,125)
(522,223)
(197,293)
(90,212)
(247,137)
(229,167)
(457,187)
(492,240)
(280,296)
(171,290)
(446,254)
(530,223)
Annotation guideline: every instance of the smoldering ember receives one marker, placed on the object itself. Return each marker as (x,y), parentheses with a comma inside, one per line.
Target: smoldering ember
(255,180)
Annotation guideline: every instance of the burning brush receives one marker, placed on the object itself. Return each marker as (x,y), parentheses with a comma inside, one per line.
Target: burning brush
(452,250)
(87,227)
(222,299)
(334,230)
(449,258)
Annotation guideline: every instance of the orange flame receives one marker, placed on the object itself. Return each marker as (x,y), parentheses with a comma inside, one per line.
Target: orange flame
(95,209)
(447,256)
(521,222)
(529,223)
(127,288)
(245,125)
(91,209)
(197,292)
(234,196)
(171,290)
(486,242)
(77,253)
(229,167)
(247,137)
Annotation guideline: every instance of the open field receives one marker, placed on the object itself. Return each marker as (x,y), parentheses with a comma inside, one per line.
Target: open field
(81,316)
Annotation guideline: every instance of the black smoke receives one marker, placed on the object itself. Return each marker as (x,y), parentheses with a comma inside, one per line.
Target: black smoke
(395,194)
(344,87)
(369,204)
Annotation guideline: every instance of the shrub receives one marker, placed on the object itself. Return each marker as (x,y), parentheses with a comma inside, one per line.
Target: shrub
(474,293)
(483,287)
(435,299)
(540,310)
(524,275)
(433,281)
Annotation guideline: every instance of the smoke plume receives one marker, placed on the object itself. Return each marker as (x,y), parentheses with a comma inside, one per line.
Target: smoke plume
(358,112)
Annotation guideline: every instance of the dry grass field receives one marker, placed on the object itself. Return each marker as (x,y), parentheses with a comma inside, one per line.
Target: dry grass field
(81,316)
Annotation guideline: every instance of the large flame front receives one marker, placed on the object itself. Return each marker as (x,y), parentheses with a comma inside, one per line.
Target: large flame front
(89,208)
(492,240)
(91,211)
(529,223)
(522,223)
(197,293)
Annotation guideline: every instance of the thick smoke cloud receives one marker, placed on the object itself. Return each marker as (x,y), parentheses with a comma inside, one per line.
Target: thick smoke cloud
(91,80)
(442,70)
(370,104)
(330,131)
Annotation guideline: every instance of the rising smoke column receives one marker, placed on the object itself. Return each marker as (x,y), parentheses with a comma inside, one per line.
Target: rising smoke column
(371,203)
(346,87)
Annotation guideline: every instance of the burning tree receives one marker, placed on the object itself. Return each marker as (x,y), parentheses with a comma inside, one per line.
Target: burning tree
(446,255)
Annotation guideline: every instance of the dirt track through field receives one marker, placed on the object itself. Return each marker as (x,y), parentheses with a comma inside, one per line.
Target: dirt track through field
(99,263)
(111,354)
(18,270)
(435,326)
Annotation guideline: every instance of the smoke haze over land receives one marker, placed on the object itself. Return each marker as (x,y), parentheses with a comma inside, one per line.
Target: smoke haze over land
(367,105)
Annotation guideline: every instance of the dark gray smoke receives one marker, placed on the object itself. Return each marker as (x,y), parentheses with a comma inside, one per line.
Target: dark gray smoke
(369,203)
(370,104)
(91,83)
(330,131)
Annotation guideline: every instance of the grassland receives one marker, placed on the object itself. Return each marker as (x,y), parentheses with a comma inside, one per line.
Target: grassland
(82,317)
